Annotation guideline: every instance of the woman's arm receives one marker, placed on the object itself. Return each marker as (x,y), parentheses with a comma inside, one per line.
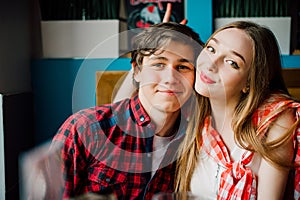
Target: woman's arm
(272,180)
(168,13)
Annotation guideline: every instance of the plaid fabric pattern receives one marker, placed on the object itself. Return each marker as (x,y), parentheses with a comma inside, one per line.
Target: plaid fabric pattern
(108,149)
(238,181)
(265,116)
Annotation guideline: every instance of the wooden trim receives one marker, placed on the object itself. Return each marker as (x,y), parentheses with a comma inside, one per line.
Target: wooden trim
(108,83)
(291,77)
(292,81)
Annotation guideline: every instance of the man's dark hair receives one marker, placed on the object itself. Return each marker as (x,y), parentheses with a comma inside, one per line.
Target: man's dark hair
(158,36)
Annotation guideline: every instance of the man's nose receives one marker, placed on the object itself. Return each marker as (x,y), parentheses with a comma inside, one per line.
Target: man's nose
(171,74)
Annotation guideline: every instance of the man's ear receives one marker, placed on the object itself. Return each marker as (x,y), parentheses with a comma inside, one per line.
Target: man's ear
(136,71)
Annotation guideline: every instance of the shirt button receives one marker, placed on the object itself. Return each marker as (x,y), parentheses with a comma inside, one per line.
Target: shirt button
(107,179)
(142,119)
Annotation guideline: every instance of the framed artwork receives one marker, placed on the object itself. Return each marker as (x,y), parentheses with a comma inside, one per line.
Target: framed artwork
(142,14)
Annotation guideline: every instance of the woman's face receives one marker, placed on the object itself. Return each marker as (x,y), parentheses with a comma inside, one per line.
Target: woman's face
(223,65)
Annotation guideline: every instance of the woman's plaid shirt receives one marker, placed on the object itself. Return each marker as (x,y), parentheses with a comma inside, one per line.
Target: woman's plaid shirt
(108,149)
(238,181)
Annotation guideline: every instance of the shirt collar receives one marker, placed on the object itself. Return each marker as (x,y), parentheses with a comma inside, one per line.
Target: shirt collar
(139,113)
(142,118)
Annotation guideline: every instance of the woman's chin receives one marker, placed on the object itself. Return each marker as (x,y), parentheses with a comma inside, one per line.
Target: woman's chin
(203,91)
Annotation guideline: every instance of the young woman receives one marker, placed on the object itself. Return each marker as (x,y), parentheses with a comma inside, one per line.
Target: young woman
(242,143)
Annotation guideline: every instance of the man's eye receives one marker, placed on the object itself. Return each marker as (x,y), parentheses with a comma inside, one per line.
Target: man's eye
(158,65)
(185,68)
(233,64)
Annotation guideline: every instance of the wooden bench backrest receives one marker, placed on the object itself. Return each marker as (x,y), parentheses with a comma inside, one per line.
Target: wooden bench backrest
(108,82)
(292,80)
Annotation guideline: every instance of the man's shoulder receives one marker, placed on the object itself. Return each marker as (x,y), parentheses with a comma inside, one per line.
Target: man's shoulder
(94,117)
(113,109)
(101,112)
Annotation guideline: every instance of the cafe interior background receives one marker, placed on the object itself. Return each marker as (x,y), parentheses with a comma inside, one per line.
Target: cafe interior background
(58,57)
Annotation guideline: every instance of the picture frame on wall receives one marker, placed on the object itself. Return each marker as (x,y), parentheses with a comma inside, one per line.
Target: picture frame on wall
(273,14)
(142,14)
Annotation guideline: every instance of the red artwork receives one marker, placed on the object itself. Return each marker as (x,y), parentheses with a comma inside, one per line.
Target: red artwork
(144,13)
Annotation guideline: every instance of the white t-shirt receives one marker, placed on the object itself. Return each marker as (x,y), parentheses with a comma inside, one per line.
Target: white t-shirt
(206,177)
(160,145)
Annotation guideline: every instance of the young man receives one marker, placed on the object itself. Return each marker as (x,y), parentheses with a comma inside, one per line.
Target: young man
(128,148)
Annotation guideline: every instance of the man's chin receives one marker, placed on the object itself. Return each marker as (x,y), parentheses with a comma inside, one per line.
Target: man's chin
(168,108)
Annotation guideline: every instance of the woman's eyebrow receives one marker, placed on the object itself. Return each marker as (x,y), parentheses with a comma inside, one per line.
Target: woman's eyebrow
(234,52)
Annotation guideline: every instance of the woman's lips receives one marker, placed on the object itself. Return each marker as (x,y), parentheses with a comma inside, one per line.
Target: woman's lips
(205,79)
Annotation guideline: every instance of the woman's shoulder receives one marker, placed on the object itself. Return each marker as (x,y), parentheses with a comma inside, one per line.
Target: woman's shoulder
(277,101)
(275,106)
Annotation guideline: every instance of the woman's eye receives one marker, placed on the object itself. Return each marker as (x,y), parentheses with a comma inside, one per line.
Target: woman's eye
(233,64)
(210,48)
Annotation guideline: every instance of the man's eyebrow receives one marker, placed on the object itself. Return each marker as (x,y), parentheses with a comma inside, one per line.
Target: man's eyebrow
(165,59)
(185,60)
(158,58)
(234,52)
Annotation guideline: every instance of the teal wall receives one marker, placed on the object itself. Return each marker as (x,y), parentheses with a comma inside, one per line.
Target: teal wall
(200,17)
(64,86)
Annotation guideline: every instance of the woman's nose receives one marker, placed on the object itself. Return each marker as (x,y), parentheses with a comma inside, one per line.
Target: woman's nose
(212,64)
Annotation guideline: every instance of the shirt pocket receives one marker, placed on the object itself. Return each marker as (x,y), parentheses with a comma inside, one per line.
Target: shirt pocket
(105,180)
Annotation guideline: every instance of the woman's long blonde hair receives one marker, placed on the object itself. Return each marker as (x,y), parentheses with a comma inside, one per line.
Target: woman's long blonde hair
(265,77)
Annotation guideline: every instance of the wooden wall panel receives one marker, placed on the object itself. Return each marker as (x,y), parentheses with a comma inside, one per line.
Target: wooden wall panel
(108,83)
(292,80)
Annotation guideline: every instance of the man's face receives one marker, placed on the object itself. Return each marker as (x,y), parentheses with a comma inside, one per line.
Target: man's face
(166,78)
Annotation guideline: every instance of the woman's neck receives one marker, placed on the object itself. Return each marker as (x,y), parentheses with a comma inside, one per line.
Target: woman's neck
(222,114)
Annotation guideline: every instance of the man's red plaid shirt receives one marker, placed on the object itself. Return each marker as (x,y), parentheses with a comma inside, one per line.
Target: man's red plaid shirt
(108,149)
